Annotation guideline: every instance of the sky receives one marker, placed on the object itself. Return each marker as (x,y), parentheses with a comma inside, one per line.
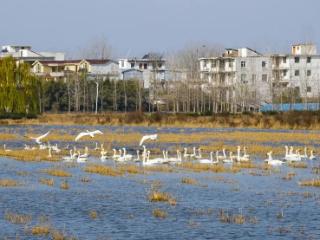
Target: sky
(135,27)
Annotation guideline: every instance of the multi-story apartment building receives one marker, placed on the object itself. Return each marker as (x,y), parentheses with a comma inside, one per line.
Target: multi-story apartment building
(297,73)
(239,78)
(246,77)
(150,68)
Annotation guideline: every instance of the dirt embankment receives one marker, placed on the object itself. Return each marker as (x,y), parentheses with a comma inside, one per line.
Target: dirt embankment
(288,120)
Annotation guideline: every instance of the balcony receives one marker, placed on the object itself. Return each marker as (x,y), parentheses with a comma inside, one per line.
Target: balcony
(57,74)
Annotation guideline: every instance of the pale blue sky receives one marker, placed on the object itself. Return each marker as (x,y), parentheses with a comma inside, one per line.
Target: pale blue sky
(138,26)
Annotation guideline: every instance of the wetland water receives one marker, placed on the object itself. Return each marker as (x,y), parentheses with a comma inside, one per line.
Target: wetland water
(273,208)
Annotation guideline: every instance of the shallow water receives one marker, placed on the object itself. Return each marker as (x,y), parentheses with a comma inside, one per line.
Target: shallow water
(124,211)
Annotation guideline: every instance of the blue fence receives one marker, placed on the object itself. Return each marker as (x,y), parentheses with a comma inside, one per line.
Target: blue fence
(290,107)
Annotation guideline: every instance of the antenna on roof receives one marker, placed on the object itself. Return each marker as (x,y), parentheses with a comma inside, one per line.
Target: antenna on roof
(128,52)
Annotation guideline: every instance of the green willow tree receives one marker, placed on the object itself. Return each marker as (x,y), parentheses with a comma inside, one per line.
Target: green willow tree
(18,89)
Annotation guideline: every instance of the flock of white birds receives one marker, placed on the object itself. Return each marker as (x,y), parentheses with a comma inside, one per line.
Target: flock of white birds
(145,159)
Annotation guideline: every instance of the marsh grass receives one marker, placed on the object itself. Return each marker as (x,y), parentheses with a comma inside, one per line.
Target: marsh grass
(8,183)
(102,170)
(47,181)
(40,230)
(158,213)
(225,217)
(289,176)
(130,169)
(56,172)
(93,214)
(189,181)
(64,185)
(157,196)
(198,167)
(30,155)
(310,183)
(159,168)
(298,164)
(15,218)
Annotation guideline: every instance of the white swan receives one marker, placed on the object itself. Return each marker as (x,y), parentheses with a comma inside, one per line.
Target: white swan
(115,156)
(271,161)
(146,161)
(305,154)
(199,156)
(290,156)
(125,156)
(230,159)
(83,157)
(87,133)
(186,155)
(56,149)
(49,153)
(103,155)
(312,157)
(244,158)
(38,139)
(6,149)
(148,137)
(210,161)
(173,160)
(70,157)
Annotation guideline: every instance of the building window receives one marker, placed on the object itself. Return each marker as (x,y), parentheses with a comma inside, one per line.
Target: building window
(308,59)
(253,79)
(308,72)
(243,64)
(264,77)
(284,60)
(140,66)
(296,59)
(230,65)
(296,73)
(263,64)
(213,64)
(145,66)
(160,65)
(243,78)
(308,89)
(132,65)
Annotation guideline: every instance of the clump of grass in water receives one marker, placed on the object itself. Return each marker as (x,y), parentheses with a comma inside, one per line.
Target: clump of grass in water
(102,170)
(289,176)
(17,218)
(8,183)
(198,167)
(64,185)
(131,169)
(158,213)
(160,168)
(298,164)
(40,230)
(190,181)
(85,179)
(157,196)
(93,214)
(47,181)
(57,172)
(310,183)
(30,155)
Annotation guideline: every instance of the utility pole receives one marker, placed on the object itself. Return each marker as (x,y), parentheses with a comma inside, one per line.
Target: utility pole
(97,95)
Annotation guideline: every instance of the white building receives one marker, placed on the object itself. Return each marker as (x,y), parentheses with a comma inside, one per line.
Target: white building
(298,71)
(151,67)
(26,54)
(240,77)
(251,78)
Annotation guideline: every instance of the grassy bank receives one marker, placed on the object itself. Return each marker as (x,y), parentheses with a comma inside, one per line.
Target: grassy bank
(288,120)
